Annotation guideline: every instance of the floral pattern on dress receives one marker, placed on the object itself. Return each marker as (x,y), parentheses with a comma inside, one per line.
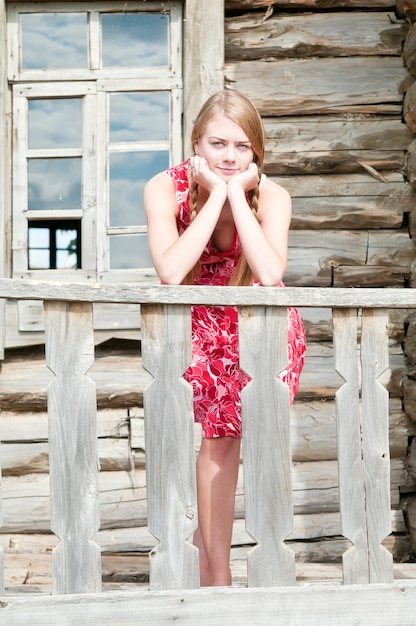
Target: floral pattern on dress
(214,373)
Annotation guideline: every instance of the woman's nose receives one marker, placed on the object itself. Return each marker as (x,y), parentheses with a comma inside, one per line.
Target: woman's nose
(230,153)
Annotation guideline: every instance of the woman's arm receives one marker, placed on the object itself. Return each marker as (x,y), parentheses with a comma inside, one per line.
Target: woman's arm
(265,239)
(173,255)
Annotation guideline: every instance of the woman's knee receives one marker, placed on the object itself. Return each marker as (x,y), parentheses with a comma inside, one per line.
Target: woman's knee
(221,449)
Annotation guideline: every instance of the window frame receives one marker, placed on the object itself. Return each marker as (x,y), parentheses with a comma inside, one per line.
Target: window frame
(94,86)
(173,70)
(52,226)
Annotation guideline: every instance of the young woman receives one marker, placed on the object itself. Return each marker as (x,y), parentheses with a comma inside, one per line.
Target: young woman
(216,219)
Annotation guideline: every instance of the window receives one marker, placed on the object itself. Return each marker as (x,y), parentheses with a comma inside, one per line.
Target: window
(54,245)
(97,106)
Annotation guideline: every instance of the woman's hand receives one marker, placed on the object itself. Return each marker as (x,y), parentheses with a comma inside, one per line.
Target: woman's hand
(205,177)
(209,180)
(245,180)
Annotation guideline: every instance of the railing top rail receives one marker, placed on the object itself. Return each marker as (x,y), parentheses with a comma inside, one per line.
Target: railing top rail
(146,293)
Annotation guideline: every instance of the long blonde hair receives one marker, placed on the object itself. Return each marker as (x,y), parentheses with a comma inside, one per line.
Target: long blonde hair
(242,111)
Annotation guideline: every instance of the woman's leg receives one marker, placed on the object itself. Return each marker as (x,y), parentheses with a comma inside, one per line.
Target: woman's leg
(217,473)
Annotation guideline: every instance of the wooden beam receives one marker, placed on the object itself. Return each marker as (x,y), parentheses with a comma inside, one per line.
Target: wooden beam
(203,58)
(406,8)
(310,86)
(334,145)
(314,605)
(252,36)
(246,5)
(4,186)
(16,289)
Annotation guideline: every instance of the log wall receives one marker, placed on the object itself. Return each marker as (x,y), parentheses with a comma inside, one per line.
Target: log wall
(336,97)
(334,82)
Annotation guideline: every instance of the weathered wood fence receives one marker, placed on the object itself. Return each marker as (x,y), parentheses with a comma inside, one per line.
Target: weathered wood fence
(360,320)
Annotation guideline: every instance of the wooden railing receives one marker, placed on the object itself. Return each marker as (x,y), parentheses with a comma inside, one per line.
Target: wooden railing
(360,327)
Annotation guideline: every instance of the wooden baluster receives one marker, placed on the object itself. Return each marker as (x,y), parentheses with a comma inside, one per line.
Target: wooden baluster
(363,446)
(1,524)
(350,470)
(170,457)
(376,453)
(73,455)
(266,446)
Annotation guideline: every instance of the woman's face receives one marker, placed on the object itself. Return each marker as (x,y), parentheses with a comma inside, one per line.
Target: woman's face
(226,147)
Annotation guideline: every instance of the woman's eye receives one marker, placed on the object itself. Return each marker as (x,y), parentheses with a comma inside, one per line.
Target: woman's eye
(243,146)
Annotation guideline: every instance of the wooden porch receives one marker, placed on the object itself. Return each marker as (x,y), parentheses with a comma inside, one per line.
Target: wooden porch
(370,589)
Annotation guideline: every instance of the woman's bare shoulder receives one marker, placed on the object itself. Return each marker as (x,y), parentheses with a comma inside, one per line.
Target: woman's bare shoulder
(271,191)
(160,196)
(160,180)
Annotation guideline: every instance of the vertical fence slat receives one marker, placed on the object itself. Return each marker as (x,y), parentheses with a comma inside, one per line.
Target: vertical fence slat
(73,454)
(266,445)
(350,470)
(376,454)
(363,444)
(170,456)
(1,524)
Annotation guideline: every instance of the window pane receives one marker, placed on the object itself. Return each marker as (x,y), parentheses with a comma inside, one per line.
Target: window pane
(38,237)
(65,238)
(134,39)
(129,172)
(65,260)
(54,244)
(129,251)
(39,260)
(139,116)
(55,123)
(54,184)
(54,40)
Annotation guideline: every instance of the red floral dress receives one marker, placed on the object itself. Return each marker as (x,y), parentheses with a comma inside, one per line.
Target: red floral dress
(214,374)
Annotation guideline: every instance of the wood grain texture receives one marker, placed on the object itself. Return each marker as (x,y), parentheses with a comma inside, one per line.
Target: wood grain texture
(170,461)
(351,482)
(313,4)
(328,140)
(203,57)
(123,496)
(266,446)
(181,294)
(406,8)
(336,144)
(122,445)
(73,457)
(1,547)
(409,50)
(374,605)
(376,458)
(252,36)
(306,86)
(409,108)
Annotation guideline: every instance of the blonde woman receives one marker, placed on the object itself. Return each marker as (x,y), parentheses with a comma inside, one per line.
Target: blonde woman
(216,219)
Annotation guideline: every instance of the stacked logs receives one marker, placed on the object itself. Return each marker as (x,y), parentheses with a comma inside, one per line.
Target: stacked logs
(407,9)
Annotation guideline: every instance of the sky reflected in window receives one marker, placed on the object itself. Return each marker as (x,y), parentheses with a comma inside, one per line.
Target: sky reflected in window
(129,172)
(54,40)
(129,252)
(134,39)
(141,116)
(54,183)
(55,123)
